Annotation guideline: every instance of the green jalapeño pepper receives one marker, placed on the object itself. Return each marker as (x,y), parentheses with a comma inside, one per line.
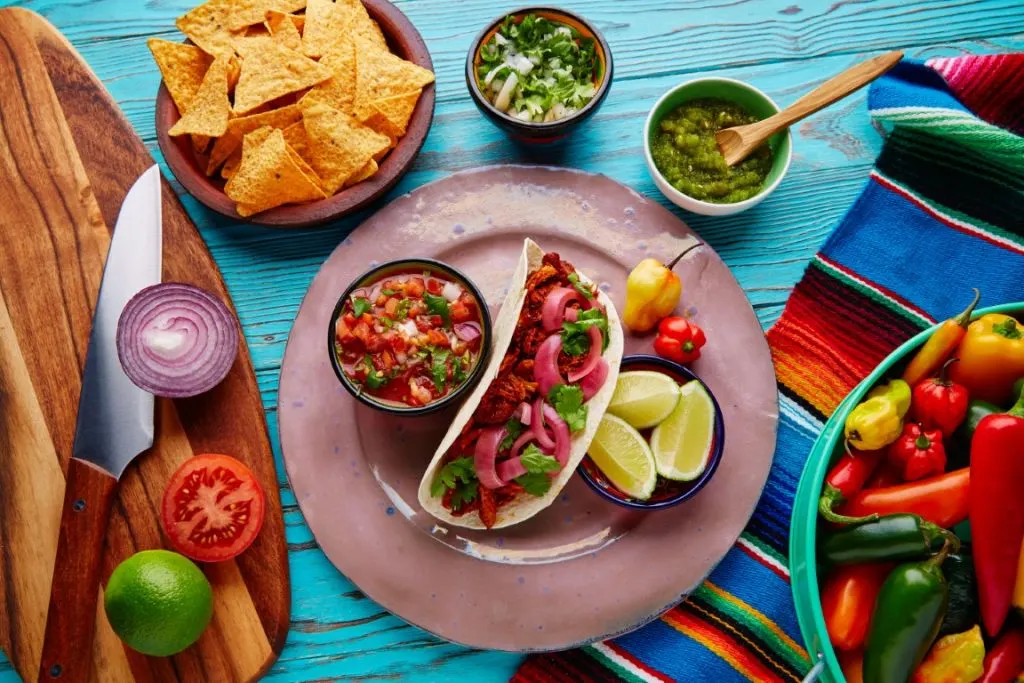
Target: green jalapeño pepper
(908,613)
(888,539)
(959,453)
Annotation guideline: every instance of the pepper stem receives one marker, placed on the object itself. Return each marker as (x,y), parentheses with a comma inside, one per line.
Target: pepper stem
(1018,408)
(964,319)
(825,504)
(672,264)
(950,545)
(922,442)
(944,372)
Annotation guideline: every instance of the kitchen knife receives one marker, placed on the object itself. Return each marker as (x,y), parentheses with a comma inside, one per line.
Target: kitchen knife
(115,424)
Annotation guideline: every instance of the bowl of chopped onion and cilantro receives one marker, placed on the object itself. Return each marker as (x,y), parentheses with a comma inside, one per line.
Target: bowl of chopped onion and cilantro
(538,71)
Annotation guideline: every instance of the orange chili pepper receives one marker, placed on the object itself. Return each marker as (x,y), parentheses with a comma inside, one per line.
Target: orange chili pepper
(848,600)
(852,664)
(937,348)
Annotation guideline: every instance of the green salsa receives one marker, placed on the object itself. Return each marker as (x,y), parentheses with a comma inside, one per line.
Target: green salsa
(685,151)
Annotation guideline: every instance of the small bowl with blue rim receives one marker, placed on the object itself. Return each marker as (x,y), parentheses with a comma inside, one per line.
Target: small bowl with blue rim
(667,493)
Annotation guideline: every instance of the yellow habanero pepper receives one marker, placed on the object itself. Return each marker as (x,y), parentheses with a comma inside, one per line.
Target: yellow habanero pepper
(956,658)
(878,421)
(991,358)
(652,292)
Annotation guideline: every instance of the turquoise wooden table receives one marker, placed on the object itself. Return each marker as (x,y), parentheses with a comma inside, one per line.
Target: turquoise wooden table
(785,47)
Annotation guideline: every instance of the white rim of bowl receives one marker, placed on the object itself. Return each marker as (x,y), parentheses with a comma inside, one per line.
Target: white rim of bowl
(765,191)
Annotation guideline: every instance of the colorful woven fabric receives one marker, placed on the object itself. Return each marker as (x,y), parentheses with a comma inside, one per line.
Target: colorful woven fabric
(943,211)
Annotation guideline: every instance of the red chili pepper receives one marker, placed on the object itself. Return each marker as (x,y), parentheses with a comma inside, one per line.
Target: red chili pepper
(1005,660)
(845,479)
(938,403)
(679,339)
(942,500)
(886,475)
(918,453)
(997,510)
(848,600)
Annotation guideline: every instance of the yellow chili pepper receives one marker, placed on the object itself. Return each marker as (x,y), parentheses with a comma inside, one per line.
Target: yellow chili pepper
(937,348)
(956,658)
(652,292)
(878,420)
(991,358)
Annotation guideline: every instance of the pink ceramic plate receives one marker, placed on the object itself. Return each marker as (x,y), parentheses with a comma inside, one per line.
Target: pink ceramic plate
(583,569)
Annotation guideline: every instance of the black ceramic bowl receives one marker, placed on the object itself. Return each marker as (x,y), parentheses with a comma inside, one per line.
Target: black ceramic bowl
(376,274)
(666,493)
(527,131)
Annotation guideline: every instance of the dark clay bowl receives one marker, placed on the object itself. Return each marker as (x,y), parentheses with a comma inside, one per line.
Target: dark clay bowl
(380,272)
(666,493)
(189,168)
(532,132)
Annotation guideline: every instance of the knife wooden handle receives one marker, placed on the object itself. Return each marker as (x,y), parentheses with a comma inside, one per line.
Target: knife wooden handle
(71,617)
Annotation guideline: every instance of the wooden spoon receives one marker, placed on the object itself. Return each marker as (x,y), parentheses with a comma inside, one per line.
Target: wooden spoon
(738,142)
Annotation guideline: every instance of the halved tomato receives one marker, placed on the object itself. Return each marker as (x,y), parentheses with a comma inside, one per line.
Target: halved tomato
(213,508)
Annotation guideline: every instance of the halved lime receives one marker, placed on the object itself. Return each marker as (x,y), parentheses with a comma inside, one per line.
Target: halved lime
(624,457)
(682,442)
(644,398)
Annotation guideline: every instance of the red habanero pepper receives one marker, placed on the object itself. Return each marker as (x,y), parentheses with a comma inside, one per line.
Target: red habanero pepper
(848,601)
(679,339)
(918,453)
(997,510)
(845,480)
(938,403)
(1005,659)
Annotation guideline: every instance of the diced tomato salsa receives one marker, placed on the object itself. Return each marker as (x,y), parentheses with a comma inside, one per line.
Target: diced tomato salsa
(409,338)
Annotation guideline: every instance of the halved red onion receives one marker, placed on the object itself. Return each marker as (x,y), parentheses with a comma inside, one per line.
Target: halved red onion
(539,431)
(176,340)
(553,311)
(593,356)
(467,332)
(485,454)
(511,469)
(561,430)
(545,366)
(595,380)
(523,413)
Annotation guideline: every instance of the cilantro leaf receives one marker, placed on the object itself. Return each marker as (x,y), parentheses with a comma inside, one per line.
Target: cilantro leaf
(437,305)
(457,470)
(575,340)
(535,483)
(375,379)
(567,400)
(439,367)
(360,305)
(464,494)
(538,462)
(513,428)
(578,285)
(459,367)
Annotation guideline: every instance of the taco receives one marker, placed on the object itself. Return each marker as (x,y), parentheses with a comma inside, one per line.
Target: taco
(518,438)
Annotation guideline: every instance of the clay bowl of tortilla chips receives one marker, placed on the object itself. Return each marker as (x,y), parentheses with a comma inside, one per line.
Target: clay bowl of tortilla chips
(292,113)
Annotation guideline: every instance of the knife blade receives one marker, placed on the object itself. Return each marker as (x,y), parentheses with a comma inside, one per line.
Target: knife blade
(115,424)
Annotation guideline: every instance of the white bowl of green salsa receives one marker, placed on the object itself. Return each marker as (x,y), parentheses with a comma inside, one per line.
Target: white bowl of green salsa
(684,161)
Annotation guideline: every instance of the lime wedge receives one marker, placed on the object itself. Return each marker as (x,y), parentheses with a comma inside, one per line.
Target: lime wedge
(682,443)
(644,398)
(624,457)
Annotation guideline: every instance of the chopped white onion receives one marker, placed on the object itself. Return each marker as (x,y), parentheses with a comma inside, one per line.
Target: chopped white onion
(504,97)
(409,328)
(451,291)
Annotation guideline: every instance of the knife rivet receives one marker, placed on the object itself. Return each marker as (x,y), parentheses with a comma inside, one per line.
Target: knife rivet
(56,670)
(78,506)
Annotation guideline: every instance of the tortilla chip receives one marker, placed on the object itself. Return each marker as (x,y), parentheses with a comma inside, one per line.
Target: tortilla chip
(299,20)
(182,67)
(369,170)
(391,115)
(238,128)
(360,26)
(249,12)
(381,75)
(324,24)
(231,165)
(200,143)
(339,146)
(234,73)
(339,90)
(207,26)
(270,70)
(283,30)
(269,176)
(295,136)
(210,108)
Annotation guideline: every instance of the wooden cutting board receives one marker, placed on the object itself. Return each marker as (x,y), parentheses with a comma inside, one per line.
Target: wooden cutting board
(67,159)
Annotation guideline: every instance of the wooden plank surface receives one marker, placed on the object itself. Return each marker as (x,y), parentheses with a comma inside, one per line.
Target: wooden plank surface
(784,47)
(61,186)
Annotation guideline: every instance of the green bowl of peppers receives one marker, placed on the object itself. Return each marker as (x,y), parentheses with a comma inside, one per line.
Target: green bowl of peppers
(805,523)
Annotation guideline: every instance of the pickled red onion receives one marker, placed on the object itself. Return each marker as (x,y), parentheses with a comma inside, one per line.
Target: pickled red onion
(545,367)
(561,430)
(539,430)
(593,356)
(510,469)
(524,438)
(486,454)
(595,380)
(523,413)
(553,312)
